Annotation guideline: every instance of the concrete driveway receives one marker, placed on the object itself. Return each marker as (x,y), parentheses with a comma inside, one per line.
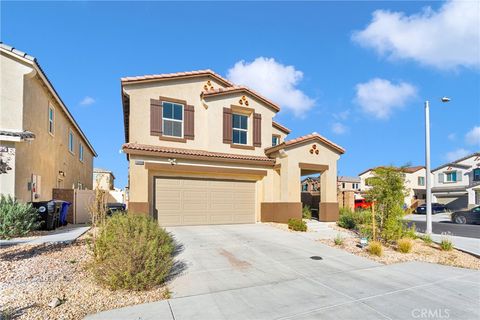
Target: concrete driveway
(260,272)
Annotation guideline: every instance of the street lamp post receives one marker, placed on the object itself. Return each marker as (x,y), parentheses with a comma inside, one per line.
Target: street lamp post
(428,185)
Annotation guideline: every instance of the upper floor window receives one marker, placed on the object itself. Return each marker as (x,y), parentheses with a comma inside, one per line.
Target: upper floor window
(476,174)
(451,176)
(240,128)
(421,181)
(275,141)
(304,187)
(70,141)
(51,119)
(80,151)
(343,185)
(172,119)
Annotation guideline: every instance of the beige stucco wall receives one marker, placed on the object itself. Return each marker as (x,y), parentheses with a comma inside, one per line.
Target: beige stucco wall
(103,180)
(208,115)
(47,154)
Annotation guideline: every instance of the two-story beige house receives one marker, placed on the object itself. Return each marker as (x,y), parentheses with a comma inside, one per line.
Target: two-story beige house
(202,150)
(41,145)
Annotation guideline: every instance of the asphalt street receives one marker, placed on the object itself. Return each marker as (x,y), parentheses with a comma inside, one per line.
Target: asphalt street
(460,230)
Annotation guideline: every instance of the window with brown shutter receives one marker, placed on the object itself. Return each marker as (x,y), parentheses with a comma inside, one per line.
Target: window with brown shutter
(155,117)
(257,130)
(227,125)
(189,131)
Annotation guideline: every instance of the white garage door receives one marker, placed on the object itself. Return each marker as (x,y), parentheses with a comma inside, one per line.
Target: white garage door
(182,201)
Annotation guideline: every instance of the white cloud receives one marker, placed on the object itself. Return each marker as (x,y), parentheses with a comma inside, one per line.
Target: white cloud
(452,136)
(473,136)
(456,154)
(380,97)
(87,101)
(339,128)
(446,38)
(273,80)
(343,115)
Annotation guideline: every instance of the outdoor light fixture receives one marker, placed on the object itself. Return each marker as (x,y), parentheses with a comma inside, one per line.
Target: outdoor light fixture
(428,186)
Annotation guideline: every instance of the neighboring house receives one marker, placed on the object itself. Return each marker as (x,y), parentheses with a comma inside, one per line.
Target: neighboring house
(103,179)
(310,184)
(457,184)
(41,145)
(348,183)
(414,184)
(202,150)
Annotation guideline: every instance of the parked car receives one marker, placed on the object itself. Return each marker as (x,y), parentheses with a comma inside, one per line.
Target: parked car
(362,204)
(115,207)
(436,208)
(471,216)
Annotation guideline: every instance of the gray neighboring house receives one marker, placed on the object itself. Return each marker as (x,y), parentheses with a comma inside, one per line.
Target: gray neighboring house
(457,184)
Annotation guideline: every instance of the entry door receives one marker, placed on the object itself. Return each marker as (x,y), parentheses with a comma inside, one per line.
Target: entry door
(188,201)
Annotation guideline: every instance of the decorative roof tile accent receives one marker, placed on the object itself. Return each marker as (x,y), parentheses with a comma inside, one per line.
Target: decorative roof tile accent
(281,127)
(199,153)
(236,89)
(187,74)
(302,139)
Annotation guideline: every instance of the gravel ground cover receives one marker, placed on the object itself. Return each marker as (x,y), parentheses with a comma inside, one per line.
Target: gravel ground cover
(421,252)
(31,276)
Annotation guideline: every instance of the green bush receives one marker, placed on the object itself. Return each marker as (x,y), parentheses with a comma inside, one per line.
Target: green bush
(131,252)
(446,244)
(346,219)
(16,218)
(393,229)
(307,212)
(297,225)
(375,248)
(338,240)
(405,245)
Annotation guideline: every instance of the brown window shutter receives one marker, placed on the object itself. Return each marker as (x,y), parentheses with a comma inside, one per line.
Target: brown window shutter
(257,130)
(189,129)
(227,125)
(155,117)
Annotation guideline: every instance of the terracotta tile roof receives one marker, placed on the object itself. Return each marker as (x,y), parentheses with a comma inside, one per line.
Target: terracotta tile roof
(405,169)
(236,89)
(281,127)
(196,153)
(187,74)
(309,137)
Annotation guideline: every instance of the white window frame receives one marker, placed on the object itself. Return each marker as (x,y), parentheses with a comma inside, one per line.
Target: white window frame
(80,151)
(447,174)
(51,121)
(174,120)
(240,129)
(71,143)
(277,140)
(421,179)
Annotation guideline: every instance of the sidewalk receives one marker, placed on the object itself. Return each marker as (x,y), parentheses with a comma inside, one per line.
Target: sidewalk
(66,234)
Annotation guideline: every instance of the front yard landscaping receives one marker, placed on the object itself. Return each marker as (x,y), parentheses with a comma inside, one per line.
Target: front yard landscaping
(35,277)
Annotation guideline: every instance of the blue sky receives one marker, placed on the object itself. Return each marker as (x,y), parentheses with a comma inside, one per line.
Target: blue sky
(357,81)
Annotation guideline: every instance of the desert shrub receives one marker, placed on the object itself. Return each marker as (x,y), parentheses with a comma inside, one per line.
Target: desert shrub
(16,218)
(346,219)
(393,228)
(131,252)
(405,245)
(446,244)
(297,225)
(365,231)
(375,248)
(410,232)
(427,239)
(307,212)
(338,240)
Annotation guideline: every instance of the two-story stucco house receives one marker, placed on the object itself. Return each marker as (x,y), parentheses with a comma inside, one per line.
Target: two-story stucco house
(414,184)
(457,184)
(203,150)
(103,179)
(41,145)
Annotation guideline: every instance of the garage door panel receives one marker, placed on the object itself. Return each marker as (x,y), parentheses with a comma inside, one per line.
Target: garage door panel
(202,201)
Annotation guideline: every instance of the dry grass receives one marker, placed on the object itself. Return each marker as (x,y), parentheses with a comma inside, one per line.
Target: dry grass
(405,245)
(375,248)
(31,275)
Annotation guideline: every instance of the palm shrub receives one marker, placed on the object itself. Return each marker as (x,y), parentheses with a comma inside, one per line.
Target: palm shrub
(307,212)
(131,252)
(16,218)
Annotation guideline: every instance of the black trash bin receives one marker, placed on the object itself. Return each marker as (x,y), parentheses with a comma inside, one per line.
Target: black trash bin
(47,214)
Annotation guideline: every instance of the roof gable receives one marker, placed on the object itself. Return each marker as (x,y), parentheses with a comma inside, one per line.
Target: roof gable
(303,139)
(240,89)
